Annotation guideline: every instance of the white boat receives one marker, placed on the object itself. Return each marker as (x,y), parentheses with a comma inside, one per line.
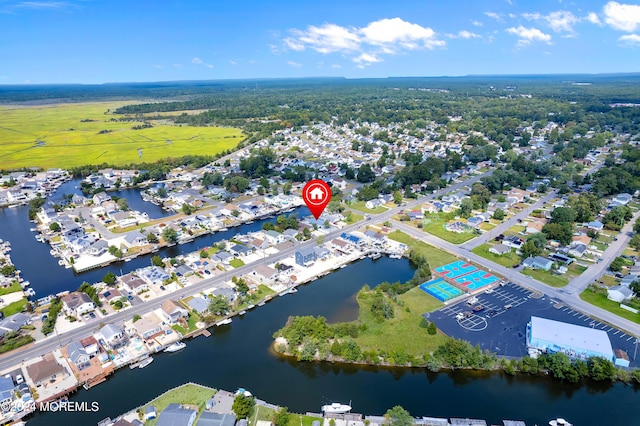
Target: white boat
(559,422)
(223,229)
(395,256)
(336,408)
(261,304)
(224,322)
(242,312)
(175,347)
(146,362)
(30,292)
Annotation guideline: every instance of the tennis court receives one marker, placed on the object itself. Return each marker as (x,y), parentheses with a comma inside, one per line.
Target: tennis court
(455,269)
(476,280)
(441,290)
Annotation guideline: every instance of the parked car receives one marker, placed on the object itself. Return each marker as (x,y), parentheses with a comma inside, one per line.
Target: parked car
(19,379)
(130,297)
(162,288)
(517,265)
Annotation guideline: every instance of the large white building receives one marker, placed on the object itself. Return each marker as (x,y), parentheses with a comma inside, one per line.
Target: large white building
(576,341)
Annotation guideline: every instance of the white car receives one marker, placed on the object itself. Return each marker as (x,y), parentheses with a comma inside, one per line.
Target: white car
(19,379)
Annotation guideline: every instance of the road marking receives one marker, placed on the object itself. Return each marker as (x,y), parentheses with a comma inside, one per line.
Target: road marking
(581,316)
(630,337)
(575,314)
(616,332)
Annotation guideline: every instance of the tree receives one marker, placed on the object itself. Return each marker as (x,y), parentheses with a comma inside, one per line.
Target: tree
(431,329)
(617,264)
(529,249)
(601,369)
(123,204)
(397,197)
(109,278)
(466,207)
(286,188)
(366,174)
(398,416)
(616,217)
(281,417)
(635,242)
(170,235)
(562,232)
(243,406)
(54,226)
(242,287)
(188,209)
(136,317)
(219,305)
(204,254)
(152,238)
(115,251)
(157,261)
(498,214)
(162,192)
(563,215)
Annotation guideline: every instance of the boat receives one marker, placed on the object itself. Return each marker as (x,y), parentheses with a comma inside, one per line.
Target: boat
(30,292)
(559,422)
(33,229)
(336,408)
(249,222)
(145,362)
(261,303)
(242,312)
(395,256)
(223,229)
(61,262)
(375,255)
(128,259)
(224,322)
(292,290)
(175,347)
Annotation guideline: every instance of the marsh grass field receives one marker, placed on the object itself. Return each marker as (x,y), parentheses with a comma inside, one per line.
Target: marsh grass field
(68,135)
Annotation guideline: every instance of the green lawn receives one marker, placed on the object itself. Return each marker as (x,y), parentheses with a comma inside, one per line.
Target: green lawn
(574,269)
(261,413)
(486,226)
(435,257)
(506,260)
(547,277)
(514,230)
(403,331)
(236,263)
(193,319)
(68,135)
(186,394)
(359,205)
(600,300)
(355,217)
(15,307)
(436,227)
(15,286)
(255,297)
(600,246)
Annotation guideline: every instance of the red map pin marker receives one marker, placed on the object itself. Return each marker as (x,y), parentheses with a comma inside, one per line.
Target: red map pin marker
(316,195)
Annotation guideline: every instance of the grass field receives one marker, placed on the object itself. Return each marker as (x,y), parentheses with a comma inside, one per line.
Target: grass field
(434,225)
(600,300)
(15,286)
(360,205)
(547,277)
(67,135)
(507,260)
(15,307)
(435,257)
(186,394)
(403,331)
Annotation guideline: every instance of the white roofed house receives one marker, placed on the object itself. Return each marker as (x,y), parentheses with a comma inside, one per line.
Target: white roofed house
(135,239)
(101,197)
(134,284)
(173,311)
(77,303)
(98,248)
(499,249)
(264,274)
(619,293)
(113,335)
(147,326)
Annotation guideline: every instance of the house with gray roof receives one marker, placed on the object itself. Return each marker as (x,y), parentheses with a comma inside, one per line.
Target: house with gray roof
(619,293)
(306,256)
(538,262)
(113,335)
(135,239)
(208,418)
(6,389)
(222,257)
(13,323)
(77,354)
(199,304)
(176,415)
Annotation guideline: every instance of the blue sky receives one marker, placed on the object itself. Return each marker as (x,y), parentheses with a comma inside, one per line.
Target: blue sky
(95,41)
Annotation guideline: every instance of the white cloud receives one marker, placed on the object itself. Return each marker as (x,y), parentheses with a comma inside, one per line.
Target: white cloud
(476,23)
(559,21)
(528,35)
(593,18)
(336,66)
(493,15)
(464,34)
(294,64)
(623,17)
(232,62)
(197,61)
(385,36)
(630,39)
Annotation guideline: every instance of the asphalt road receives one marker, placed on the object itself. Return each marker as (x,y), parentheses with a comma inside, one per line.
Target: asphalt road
(569,295)
(55,341)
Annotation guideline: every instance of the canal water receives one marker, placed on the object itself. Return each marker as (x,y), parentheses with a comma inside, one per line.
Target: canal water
(47,277)
(238,355)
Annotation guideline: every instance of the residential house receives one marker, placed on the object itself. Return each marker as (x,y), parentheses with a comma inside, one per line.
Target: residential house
(98,248)
(538,262)
(499,249)
(619,293)
(582,239)
(77,303)
(596,225)
(475,222)
(7,390)
(265,274)
(150,413)
(110,294)
(627,280)
(623,198)
(183,270)
(78,355)
(322,253)
(513,242)
(173,311)
(134,284)
(147,326)
(239,250)
(577,250)
(135,239)
(226,291)
(341,245)
(274,237)
(45,371)
(534,227)
(100,198)
(13,323)
(176,415)
(222,257)
(113,335)
(372,204)
(208,418)
(154,275)
(199,304)
(306,256)
(517,195)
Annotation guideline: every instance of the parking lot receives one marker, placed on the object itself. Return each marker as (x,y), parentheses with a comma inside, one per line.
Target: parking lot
(501,316)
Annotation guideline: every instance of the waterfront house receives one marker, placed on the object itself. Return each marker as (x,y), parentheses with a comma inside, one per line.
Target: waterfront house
(199,304)
(274,237)
(321,253)
(113,335)
(110,294)
(226,291)
(150,413)
(173,311)
(538,262)
(78,355)
(499,249)
(147,326)
(135,239)
(290,234)
(46,371)
(133,283)
(77,303)
(208,418)
(176,415)
(265,274)
(183,270)
(619,293)
(7,389)
(222,257)
(98,248)
(100,198)
(306,256)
